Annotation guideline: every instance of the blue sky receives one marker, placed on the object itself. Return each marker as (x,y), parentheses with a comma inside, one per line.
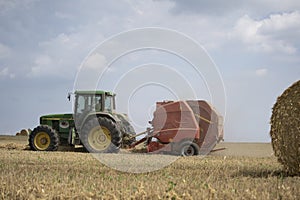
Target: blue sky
(255,45)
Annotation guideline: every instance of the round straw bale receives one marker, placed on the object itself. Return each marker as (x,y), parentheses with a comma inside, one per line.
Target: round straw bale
(24,132)
(285,129)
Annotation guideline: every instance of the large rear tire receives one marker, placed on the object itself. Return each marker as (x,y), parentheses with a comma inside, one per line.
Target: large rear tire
(101,135)
(43,138)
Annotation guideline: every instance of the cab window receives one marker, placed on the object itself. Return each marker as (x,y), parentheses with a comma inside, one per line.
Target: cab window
(108,103)
(80,104)
(98,103)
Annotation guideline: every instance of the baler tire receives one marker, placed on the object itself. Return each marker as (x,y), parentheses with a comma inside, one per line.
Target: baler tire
(43,138)
(189,148)
(110,140)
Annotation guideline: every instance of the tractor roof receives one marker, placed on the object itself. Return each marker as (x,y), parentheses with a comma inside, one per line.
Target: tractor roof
(94,92)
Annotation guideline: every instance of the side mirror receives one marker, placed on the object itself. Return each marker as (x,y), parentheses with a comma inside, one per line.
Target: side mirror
(69,96)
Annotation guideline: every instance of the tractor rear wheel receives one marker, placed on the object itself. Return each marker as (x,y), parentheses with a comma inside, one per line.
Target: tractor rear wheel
(43,138)
(101,135)
(188,148)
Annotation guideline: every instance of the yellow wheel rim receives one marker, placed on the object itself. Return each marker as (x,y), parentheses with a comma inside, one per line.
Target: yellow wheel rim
(42,141)
(99,138)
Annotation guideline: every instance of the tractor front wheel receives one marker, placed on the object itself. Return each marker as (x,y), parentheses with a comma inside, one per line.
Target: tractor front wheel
(100,135)
(43,138)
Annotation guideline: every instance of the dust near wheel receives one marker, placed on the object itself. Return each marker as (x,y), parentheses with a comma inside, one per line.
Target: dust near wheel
(128,135)
(100,135)
(43,138)
(189,148)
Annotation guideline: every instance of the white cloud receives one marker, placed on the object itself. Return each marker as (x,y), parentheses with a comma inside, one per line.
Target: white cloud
(42,60)
(4,51)
(60,56)
(269,34)
(42,66)
(281,22)
(256,8)
(95,61)
(6,6)
(63,15)
(261,72)
(6,73)
(67,41)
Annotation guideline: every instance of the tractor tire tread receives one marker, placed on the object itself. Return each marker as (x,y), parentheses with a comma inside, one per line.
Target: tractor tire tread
(116,136)
(54,138)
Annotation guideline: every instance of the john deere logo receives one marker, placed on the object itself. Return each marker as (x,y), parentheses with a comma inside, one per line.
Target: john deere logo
(64,124)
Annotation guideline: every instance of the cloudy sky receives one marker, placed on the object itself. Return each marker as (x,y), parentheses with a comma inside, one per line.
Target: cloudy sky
(255,45)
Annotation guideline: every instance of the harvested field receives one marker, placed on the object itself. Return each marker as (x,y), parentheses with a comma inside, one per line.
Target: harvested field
(244,149)
(77,175)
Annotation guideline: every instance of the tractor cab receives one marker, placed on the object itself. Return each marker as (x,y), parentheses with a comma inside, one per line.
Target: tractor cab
(92,102)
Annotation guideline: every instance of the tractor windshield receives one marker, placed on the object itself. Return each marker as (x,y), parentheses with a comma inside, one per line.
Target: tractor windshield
(88,103)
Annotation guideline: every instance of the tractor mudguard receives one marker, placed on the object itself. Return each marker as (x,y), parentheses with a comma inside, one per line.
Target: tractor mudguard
(96,115)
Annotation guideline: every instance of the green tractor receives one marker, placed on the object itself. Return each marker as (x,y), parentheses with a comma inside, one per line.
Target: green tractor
(94,124)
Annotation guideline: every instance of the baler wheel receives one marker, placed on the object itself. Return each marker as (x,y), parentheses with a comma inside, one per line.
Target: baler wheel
(188,148)
(43,138)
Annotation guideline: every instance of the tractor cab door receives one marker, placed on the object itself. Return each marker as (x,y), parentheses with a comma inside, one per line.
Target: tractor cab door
(86,104)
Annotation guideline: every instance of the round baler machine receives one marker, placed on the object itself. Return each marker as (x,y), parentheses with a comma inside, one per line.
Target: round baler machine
(186,128)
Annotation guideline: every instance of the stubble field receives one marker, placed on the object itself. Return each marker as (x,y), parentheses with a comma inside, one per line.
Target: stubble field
(242,171)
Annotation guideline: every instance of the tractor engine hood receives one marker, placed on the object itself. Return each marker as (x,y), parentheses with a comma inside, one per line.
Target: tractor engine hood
(68,116)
